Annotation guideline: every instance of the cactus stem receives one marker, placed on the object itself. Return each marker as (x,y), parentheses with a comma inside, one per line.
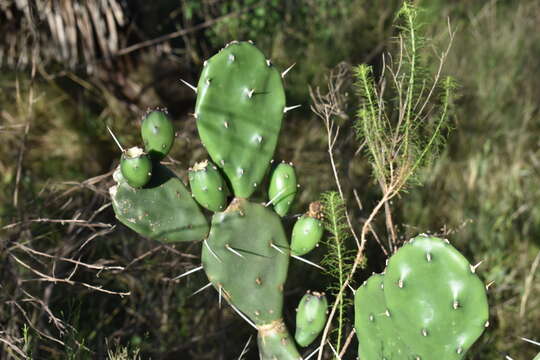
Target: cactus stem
(307,262)
(211,251)
(275,247)
(202,289)
(189,85)
(289,108)
(473,268)
(284,73)
(116,140)
(243,316)
(234,251)
(188,272)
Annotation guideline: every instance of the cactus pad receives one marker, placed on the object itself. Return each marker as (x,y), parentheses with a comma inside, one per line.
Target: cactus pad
(435,299)
(377,337)
(242,257)
(239,111)
(163,210)
(435,305)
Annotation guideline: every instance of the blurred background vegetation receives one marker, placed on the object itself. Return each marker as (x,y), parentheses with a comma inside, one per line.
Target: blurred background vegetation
(71,68)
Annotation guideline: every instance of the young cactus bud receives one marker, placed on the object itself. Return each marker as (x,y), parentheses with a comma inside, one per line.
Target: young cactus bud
(158,134)
(283,186)
(136,167)
(307,231)
(207,186)
(310,317)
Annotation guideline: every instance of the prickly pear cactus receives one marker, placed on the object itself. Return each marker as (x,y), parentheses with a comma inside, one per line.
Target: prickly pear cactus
(245,252)
(239,110)
(436,306)
(163,210)
(310,317)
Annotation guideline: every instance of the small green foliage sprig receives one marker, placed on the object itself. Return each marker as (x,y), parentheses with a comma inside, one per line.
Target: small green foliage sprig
(338,259)
(404,117)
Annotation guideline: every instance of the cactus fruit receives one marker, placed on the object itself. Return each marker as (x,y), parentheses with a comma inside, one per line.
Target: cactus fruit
(283,187)
(157,133)
(434,301)
(275,342)
(136,167)
(310,317)
(207,186)
(307,231)
(246,258)
(239,110)
(162,210)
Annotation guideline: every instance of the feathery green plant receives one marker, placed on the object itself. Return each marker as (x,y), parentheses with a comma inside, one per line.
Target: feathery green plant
(405,132)
(338,260)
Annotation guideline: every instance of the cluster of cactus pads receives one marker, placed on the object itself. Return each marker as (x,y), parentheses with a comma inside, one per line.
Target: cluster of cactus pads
(429,304)
(245,251)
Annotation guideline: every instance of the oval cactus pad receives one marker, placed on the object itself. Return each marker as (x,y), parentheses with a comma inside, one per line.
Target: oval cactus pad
(239,110)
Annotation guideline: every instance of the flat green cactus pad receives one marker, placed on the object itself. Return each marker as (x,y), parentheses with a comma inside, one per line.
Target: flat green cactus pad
(436,301)
(377,336)
(428,305)
(246,256)
(162,210)
(239,110)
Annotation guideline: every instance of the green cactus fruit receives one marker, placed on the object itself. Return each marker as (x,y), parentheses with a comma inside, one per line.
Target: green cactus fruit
(436,301)
(207,186)
(247,256)
(136,167)
(310,317)
(307,231)
(275,342)
(283,187)
(377,336)
(157,133)
(239,110)
(163,210)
